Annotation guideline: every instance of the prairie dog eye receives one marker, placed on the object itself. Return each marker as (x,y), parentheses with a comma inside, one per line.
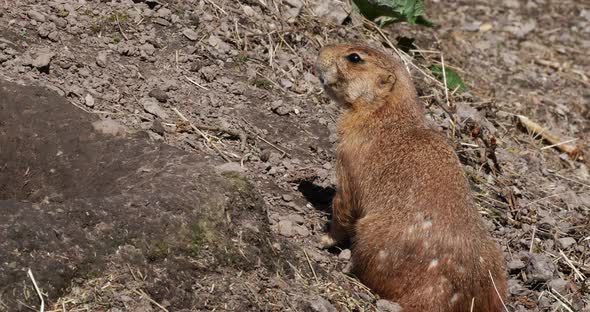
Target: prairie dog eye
(354,58)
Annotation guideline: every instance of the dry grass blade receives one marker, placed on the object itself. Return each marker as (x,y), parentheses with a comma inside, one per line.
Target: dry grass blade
(310,266)
(42,308)
(202,134)
(217,7)
(559,298)
(497,292)
(444,73)
(265,140)
(404,57)
(196,84)
(145,295)
(120,28)
(571,265)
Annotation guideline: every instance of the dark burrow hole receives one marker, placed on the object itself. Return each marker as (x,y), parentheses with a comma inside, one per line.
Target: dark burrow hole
(318,196)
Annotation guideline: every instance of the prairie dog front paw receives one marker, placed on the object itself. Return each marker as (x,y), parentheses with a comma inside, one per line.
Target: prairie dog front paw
(327,242)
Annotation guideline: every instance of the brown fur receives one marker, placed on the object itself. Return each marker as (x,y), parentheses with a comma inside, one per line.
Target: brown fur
(402,196)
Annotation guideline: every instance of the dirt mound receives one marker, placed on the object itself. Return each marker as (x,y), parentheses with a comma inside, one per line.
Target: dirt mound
(77,203)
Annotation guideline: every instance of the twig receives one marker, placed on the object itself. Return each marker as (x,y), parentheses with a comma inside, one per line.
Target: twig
(572,180)
(202,135)
(560,143)
(569,262)
(575,152)
(497,292)
(196,84)
(243,137)
(310,266)
(264,140)
(217,7)
(42,309)
(119,25)
(143,294)
(559,299)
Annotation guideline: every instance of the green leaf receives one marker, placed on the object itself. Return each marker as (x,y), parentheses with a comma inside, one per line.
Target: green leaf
(454,81)
(384,12)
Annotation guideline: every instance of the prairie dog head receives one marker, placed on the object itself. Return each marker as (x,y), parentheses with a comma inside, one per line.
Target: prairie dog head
(356,76)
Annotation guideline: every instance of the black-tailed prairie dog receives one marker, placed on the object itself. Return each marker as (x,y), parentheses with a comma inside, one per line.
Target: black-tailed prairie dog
(402,198)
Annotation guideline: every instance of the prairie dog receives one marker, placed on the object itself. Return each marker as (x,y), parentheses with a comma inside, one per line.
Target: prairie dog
(402,197)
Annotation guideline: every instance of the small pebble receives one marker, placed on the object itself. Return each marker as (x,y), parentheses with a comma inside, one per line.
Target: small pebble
(190,34)
(387,306)
(89,100)
(152,107)
(345,254)
(540,269)
(285,228)
(515,265)
(320,305)
(159,95)
(101,59)
(36,16)
(42,62)
(565,242)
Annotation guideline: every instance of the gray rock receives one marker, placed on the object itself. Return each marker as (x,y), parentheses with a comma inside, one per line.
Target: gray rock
(387,306)
(540,268)
(301,231)
(159,95)
(285,228)
(60,22)
(294,3)
(347,268)
(515,265)
(163,13)
(248,11)
(190,34)
(218,44)
(286,83)
(89,100)
(101,59)
(287,197)
(296,218)
(229,167)
(110,127)
(320,305)
(147,48)
(280,108)
(345,254)
(42,61)
(152,107)
(331,11)
(566,242)
(36,16)
(53,36)
(558,284)
(157,127)
(516,288)
(161,21)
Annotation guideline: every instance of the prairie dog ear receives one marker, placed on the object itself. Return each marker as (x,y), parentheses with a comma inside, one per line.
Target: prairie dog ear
(387,81)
